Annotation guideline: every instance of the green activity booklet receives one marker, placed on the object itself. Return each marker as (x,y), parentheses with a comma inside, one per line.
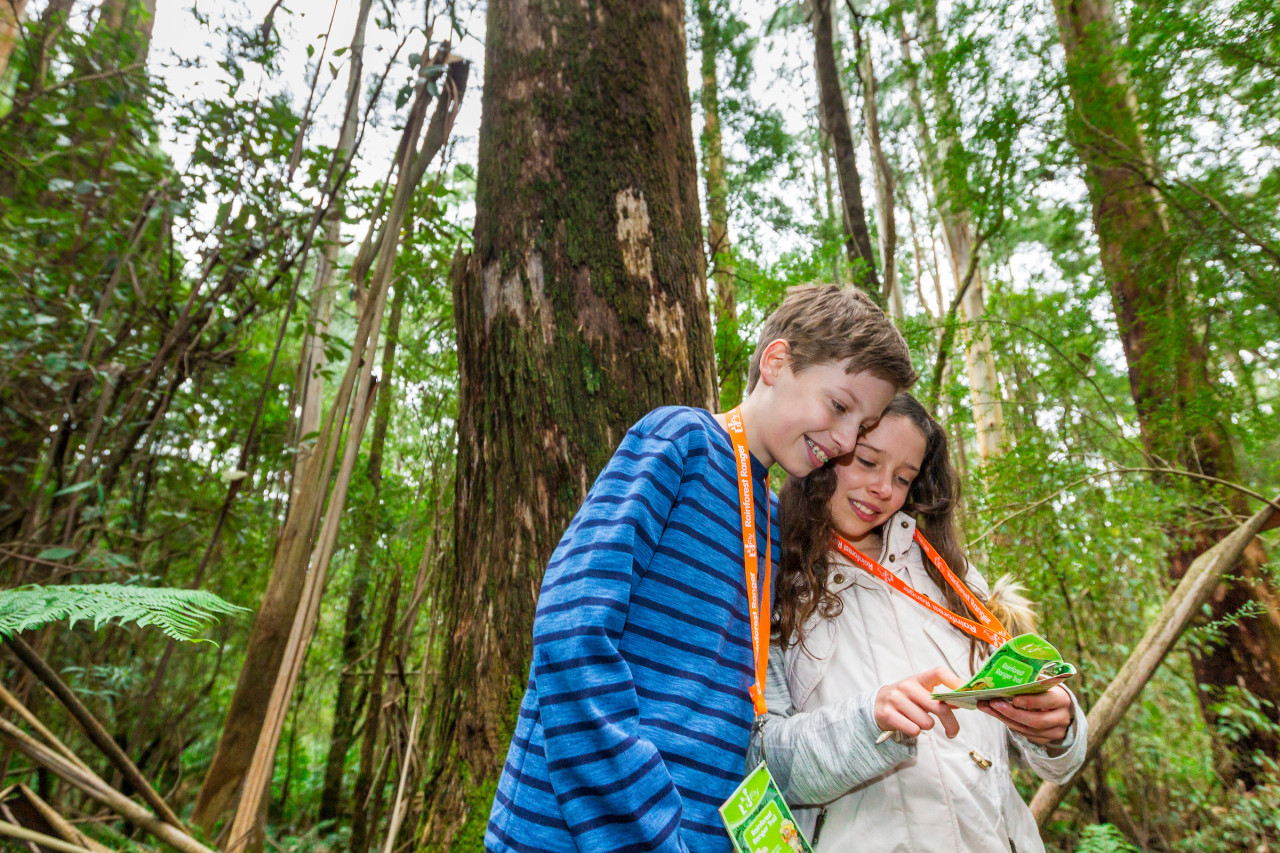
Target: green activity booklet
(758,819)
(1026,664)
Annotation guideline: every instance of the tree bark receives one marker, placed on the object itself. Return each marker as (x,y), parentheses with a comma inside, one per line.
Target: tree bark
(728,345)
(1168,368)
(835,114)
(582,306)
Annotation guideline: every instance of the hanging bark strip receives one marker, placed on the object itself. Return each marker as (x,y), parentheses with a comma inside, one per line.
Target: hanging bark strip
(1192,592)
(358,386)
(835,114)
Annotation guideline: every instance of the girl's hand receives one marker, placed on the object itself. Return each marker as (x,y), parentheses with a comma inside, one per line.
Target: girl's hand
(1041,718)
(906,706)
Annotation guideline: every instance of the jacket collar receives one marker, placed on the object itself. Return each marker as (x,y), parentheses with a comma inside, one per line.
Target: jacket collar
(897,541)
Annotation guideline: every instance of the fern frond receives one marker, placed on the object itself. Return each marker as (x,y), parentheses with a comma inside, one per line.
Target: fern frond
(180,613)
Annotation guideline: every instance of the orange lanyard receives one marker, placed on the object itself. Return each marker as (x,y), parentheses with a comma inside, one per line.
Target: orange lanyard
(750,554)
(987,628)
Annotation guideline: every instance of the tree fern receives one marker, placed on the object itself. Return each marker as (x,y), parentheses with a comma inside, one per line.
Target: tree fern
(180,613)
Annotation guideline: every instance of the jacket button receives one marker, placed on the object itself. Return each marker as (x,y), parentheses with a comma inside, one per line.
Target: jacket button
(892,557)
(839,578)
(904,524)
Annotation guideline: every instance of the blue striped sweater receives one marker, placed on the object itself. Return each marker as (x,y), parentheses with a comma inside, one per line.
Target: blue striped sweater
(634,726)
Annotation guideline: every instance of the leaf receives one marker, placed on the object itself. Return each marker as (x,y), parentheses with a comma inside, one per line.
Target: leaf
(414,59)
(340,51)
(402,97)
(58,553)
(179,613)
(71,490)
(58,185)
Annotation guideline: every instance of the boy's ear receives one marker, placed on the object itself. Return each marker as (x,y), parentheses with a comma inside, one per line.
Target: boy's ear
(776,356)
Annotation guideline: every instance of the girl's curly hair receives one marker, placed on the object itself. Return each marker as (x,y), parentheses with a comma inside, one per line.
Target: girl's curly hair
(804,522)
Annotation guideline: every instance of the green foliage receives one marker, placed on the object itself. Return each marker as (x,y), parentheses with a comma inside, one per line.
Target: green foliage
(179,613)
(1103,838)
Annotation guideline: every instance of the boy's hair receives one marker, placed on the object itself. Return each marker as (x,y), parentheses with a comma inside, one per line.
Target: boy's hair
(824,323)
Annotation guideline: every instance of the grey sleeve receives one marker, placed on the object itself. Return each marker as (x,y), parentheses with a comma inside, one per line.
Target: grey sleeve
(817,756)
(1066,758)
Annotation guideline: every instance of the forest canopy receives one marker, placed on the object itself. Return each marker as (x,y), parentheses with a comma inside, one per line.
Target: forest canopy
(317,323)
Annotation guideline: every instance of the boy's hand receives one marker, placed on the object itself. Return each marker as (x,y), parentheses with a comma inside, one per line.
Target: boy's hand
(1041,718)
(906,706)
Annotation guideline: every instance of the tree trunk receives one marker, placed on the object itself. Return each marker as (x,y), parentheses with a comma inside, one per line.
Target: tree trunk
(353,625)
(835,115)
(728,344)
(284,587)
(10,21)
(1168,371)
(364,789)
(582,306)
(886,227)
(957,231)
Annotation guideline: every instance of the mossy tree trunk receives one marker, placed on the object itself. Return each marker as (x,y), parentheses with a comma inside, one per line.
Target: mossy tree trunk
(1169,374)
(582,306)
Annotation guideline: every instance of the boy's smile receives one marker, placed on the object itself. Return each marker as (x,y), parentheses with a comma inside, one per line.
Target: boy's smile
(801,420)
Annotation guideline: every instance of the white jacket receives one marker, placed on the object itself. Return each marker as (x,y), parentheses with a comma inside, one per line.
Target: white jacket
(938,794)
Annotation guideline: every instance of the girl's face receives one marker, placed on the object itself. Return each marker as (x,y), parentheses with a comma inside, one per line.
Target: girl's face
(872,481)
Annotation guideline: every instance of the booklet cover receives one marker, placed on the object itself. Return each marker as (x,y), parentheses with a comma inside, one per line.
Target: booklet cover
(758,819)
(1026,664)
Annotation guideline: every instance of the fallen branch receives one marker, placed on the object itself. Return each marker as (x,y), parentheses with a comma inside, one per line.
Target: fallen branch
(93,785)
(23,834)
(100,737)
(1205,572)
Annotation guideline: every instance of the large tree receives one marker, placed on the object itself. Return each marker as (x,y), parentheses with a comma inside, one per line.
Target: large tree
(582,306)
(1170,374)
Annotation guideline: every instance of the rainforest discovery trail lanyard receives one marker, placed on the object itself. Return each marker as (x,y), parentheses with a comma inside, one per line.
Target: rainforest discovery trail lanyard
(759,610)
(988,627)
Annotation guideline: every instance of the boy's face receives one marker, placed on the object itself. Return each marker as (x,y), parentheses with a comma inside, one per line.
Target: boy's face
(816,414)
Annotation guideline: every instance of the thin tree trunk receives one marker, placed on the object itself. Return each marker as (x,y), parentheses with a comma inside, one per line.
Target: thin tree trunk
(353,626)
(358,387)
(578,311)
(1168,366)
(835,115)
(363,790)
(886,226)
(284,587)
(10,20)
(957,232)
(732,367)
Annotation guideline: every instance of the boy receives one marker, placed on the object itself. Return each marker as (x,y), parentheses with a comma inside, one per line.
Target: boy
(646,659)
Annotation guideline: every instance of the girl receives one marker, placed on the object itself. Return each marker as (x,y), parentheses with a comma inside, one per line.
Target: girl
(854,658)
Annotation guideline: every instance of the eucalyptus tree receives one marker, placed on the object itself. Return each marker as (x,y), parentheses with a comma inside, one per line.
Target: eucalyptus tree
(582,306)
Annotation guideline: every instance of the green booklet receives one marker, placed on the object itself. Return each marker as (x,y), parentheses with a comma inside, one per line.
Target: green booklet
(1026,664)
(758,819)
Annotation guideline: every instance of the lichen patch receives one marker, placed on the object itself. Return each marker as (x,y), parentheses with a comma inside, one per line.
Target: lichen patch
(635,238)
